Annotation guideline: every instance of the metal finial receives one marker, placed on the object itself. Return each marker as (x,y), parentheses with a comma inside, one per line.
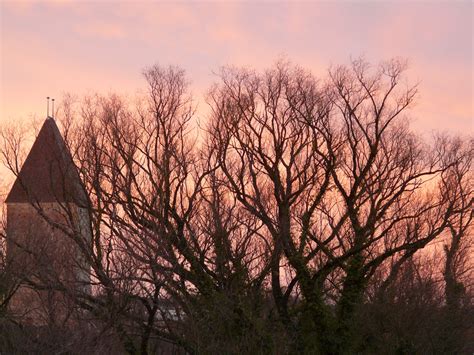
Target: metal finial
(47,106)
(52,113)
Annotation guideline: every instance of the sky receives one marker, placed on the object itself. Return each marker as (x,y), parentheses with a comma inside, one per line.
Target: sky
(52,47)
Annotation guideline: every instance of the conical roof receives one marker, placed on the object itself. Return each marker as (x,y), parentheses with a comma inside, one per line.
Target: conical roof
(48,173)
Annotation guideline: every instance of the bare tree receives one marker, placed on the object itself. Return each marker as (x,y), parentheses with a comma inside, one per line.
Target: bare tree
(339,182)
(166,235)
(300,206)
(457,185)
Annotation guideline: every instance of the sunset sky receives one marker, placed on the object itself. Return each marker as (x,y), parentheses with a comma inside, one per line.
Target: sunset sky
(48,48)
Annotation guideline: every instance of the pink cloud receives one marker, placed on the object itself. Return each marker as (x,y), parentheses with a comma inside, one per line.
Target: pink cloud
(109,31)
(102,46)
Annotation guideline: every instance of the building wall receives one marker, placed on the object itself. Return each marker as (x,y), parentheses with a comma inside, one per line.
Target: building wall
(45,258)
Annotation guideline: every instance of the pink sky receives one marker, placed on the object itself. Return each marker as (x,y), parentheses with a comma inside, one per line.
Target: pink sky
(48,48)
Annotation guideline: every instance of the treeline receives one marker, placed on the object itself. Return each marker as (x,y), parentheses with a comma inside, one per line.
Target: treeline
(303,215)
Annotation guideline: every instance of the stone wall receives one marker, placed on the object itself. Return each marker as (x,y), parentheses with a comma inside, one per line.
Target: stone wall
(45,259)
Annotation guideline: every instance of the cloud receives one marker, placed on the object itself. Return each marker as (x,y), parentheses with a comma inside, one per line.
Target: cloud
(96,45)
(106,31)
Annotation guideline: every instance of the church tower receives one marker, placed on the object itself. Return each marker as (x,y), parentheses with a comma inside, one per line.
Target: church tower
(47,227)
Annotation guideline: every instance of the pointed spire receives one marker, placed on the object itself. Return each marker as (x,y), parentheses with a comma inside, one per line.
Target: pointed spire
(48,173)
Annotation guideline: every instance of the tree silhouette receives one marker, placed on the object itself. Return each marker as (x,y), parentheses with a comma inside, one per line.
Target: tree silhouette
(300,217)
